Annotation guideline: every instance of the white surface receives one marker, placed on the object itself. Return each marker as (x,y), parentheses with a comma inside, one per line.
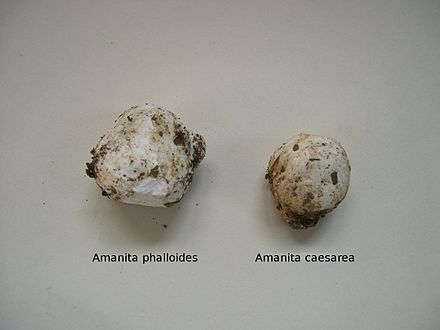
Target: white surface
(247,75)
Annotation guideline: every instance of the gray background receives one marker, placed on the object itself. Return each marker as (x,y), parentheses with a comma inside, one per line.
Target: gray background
(247,75)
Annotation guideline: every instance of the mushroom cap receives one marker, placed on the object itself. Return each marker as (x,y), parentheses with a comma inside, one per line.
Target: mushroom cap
(148,157)
(309,176)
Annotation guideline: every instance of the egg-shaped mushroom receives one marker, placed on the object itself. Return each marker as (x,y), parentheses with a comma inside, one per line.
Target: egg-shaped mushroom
(148,157)
(309,176)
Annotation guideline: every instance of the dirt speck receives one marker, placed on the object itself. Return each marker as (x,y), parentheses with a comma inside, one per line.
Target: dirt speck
(179,139)
(334,176)
(309,198)
(154,171)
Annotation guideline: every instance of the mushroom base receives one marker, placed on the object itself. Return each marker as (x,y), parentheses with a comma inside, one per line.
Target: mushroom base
(304,221)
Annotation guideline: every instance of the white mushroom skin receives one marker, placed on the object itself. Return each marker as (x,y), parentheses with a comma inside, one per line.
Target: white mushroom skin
(148,157)
(309,176)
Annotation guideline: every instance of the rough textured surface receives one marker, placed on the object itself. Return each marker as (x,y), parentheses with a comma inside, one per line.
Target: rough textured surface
(148,157)
(309,176)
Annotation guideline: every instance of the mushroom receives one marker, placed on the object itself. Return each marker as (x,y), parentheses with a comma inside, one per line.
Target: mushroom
(148,157)
(309,176)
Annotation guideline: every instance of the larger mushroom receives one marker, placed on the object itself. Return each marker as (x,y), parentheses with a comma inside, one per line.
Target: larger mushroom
(148,157)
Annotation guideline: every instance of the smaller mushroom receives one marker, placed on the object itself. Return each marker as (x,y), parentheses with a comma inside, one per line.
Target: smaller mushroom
(309,176)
